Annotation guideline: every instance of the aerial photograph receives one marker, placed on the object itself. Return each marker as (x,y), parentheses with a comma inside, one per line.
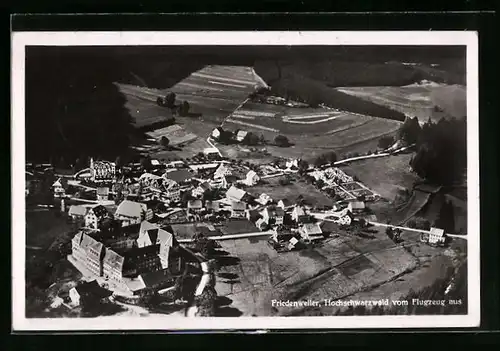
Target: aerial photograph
(245,181)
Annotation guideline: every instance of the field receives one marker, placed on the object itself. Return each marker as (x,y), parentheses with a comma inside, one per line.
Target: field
(291,192)
(417,100)
(341,266)
(385,175)
(176,134)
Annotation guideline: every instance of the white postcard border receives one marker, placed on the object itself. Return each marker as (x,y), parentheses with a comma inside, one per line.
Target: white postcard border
(22,39)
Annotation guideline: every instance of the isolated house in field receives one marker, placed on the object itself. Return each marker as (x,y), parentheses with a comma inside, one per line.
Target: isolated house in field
(95,216)
(88,291)
(102,193)
(235,194)
(216,133)
(238,209)
(77,213)
(311,232)
(251,178)
(285,204)
(200,189)
(194,206)
(58,189)
(131,212)
(241,136)
(356,206)
(273,215)
(436,236)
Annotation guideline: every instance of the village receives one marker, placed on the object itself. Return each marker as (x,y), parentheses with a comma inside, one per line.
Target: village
(144,227)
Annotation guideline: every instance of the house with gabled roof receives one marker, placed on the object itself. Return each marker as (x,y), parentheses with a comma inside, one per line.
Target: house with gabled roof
(102,193)
(356,206)
(194,206)
(77,212)
(298,214)
(264,199)
(285,204)
(251,178)
(238,209)
(222,171)
(217,132)
(131,212)
(219,182)
(88,251)
(241,135)
(88,291)
(58,189)
(200,189)
(311,232)
(95,216)
(235,194)
(273,215)
(158,236)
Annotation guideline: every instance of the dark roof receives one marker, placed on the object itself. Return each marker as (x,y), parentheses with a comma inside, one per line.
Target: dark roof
(137,252)
(236,205)
(100,211)
(92,289)
(254,215)
(156,279)
(180,175)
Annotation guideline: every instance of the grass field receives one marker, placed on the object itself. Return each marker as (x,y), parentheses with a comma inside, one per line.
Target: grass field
(417,100)
(291,192)
(341,266)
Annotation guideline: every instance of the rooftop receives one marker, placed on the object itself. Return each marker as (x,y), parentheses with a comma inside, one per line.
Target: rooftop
(130,209)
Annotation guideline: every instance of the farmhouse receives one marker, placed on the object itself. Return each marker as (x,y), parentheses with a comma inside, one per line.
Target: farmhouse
(216,133)
(235,194)
(130,212)
(436,236)
(77,212)
(241,135)
(251,178)
(356,206)
(88,291)
(238,209)
(311,232)
(95,216)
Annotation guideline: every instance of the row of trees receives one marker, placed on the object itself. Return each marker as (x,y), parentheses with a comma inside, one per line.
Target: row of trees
(169,101)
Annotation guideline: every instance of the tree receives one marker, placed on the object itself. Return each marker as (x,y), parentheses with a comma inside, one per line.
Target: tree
(170,99)
(410,130)
(206,302)
(320,183)
(303,166)
(164,141)
(412,223)
(331,157)
(281,141)
(118,162)
(262,139)
(385,142)
(184,108)
(251,139)
(319,161)
(146,163)
(446,217)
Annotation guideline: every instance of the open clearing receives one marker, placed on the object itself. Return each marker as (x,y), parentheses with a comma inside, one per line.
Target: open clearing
(291,192)
(341,266)
(417,99)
